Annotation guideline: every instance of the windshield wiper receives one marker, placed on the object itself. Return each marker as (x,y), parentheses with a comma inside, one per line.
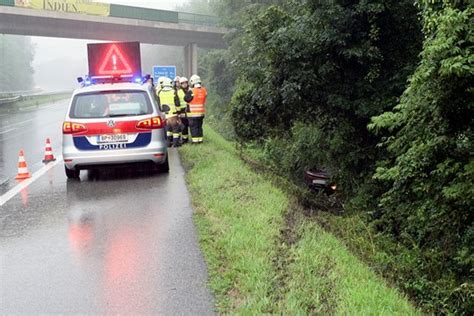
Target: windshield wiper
(129,114)
(117,115)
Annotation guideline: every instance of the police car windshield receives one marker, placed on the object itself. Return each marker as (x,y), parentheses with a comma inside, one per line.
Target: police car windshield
(103,104)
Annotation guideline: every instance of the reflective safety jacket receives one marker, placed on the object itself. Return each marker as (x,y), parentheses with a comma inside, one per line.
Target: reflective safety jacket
(196,106)
(168,97)
(182,104)
(184,97)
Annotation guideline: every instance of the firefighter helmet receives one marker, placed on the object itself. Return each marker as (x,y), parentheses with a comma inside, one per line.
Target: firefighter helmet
(195,80)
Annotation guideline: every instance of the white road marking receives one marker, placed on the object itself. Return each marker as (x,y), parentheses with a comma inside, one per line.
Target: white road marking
(19,123)
(25,183)
(6,131)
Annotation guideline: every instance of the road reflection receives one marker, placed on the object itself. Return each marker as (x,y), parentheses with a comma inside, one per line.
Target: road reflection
(115,240)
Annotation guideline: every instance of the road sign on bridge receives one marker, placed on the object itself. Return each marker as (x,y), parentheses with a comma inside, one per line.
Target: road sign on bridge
(164,71)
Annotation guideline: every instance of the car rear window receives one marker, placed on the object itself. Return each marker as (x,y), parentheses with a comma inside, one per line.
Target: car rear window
(105,104)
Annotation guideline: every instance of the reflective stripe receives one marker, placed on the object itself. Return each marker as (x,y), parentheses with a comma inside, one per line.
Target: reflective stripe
(196,114)
(197,139)
(197,108)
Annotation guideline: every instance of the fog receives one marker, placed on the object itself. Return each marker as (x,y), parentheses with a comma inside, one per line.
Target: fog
(58,62)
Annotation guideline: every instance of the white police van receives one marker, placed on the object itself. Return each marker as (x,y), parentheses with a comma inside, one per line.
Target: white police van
(114,119)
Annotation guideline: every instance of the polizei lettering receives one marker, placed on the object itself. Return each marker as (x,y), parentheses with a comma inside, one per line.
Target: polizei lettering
(112,146)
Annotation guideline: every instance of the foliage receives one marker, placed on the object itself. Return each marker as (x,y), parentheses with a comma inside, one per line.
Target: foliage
(310,76)
(325,69)
(16,57)
(430,167)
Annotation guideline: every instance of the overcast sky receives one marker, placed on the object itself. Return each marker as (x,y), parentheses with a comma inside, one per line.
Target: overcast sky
(52,54)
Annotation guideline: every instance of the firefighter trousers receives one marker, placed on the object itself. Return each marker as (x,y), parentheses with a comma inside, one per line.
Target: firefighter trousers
(185,129)
(173,130)
(195,125)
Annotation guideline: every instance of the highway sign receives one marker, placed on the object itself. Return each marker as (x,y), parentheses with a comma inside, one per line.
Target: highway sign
(164,71)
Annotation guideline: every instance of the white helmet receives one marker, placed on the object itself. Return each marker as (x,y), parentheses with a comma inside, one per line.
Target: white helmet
(176,80)
(195,80)
(160,81)
(183,80)
(167,82)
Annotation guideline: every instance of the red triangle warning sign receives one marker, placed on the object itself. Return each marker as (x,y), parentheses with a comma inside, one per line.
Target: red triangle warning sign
(114,63)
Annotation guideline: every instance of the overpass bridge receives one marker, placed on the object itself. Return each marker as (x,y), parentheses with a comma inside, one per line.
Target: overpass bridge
(114,23)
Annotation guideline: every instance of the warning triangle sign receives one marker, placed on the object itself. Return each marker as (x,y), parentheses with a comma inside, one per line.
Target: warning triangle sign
(114,63)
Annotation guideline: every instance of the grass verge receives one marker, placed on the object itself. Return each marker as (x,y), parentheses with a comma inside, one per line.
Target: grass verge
(264,256)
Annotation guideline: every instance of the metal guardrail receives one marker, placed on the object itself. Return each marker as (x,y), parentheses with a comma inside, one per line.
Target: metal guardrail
(19,92)
(10,100)
(4,100)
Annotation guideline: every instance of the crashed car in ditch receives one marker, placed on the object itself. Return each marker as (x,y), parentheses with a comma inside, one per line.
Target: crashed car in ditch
(320,180)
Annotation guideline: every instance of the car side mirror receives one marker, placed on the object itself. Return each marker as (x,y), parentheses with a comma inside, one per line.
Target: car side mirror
(165,108)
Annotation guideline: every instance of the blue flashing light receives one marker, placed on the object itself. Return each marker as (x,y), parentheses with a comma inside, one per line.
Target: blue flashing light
(138,80)
(88,82)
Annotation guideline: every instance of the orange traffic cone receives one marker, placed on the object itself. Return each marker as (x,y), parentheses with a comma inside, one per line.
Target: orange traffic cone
(22,167)
(48,152)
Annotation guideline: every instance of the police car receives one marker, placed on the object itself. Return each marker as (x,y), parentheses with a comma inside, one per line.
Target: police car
(113,120)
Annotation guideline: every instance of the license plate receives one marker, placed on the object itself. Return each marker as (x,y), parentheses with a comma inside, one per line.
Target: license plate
(113,138)
(323,182)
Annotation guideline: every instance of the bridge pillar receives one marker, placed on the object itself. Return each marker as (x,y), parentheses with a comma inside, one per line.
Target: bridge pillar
(190,60)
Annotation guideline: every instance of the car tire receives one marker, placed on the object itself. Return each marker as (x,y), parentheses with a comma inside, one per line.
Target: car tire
(72,173)
(164,167)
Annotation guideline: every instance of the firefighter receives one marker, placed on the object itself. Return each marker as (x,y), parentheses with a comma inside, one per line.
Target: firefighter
(196,109)
(176,83)
(167,96)
(185,95)
(159,84)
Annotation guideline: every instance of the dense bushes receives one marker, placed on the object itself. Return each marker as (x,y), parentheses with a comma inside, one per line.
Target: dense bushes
(330,68)
(429,166)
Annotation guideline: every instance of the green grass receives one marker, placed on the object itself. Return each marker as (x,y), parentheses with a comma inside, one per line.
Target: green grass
(263,255)
(327,278)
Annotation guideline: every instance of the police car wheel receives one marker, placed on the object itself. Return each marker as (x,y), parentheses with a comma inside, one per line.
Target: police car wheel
(72,173)
(164,167)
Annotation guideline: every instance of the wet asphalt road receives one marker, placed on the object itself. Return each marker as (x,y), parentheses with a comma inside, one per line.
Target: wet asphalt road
(115,242)
(28,130)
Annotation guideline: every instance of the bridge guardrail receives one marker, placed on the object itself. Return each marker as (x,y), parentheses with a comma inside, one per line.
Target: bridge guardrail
(122,11)
(198,19)
(10,3)
(129,12)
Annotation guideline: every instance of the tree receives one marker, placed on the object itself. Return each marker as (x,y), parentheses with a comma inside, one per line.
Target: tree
(429,169)
(16,57)
(320,71)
